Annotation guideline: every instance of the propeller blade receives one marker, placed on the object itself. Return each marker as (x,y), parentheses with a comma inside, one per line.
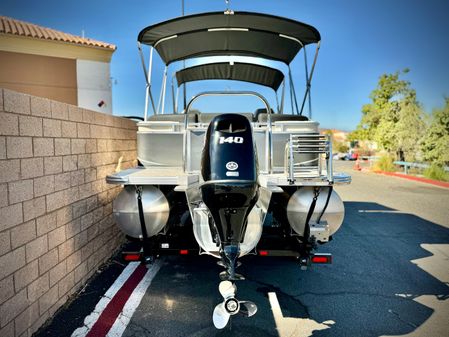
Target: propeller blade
(247,308)
(227,289)
(220,316)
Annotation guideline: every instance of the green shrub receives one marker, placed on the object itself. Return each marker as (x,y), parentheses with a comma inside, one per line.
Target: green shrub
(436,172)
(384,163)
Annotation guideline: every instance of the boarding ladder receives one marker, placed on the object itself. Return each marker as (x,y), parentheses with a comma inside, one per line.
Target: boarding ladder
(304,157)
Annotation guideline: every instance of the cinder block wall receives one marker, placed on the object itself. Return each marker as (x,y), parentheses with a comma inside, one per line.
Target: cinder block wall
(56,226)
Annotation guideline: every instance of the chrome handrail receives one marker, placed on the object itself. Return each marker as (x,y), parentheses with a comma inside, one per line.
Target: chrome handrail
(268,145)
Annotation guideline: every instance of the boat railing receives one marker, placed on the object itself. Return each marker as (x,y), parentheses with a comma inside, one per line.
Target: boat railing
(304,157)
(268,144)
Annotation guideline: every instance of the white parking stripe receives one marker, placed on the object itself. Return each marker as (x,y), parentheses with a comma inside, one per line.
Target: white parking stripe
(133,302)
(134,299)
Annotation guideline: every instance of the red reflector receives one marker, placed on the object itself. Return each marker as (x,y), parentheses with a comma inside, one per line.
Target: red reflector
(263,252)
(184,252)
(132,257)
(322,259)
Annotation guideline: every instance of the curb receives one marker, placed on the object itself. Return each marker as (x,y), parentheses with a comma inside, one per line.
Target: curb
(414,178)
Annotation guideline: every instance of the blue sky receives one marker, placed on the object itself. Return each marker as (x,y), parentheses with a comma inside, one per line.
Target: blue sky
(360,41)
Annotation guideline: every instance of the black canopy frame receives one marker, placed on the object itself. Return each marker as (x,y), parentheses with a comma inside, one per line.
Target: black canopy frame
(227,34)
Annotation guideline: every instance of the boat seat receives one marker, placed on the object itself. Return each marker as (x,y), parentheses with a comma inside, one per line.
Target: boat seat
(192,117)
(207,117)
(262,118)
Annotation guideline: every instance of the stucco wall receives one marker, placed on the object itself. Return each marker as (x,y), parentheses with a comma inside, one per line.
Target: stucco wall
(56,226)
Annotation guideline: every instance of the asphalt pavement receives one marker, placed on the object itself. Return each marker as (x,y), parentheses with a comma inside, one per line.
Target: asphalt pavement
(390,276)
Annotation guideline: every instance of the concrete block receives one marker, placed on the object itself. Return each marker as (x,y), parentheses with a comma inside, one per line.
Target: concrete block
(63,216)
(56,200)
(83,130)
(44,185)
(102,145)
(52,165)
(13,307)
(62,146)
(12,262)
(2,148)
(80,240)
(87,220)
(26,319)
(8,330)
(84,161)
(9,124)
(62,181)
(30,126)
(16,102)
(43,147)
(26,275)
(66,249)
(9,170)
(3,195)
(10,216)
(19,147)
(75,113)
(69,163)
(40,106)
(34,208)
(91,145)
(68,129)
(56,237)
(80,272)
(77,178)
(85,190)
(59,110)
(46,223)
(37,288)
(73,261)
(48,299)
(5,242)
(78,146)
(36,248)
(73,228)
(57,273)
(66,284)
(32,168)
(88,116)
(52,128)
(48,261)
(23,233)
(6,289)
(79,208)
(21,190)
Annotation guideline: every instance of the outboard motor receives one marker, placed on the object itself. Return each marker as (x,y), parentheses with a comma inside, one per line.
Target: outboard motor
(230,188)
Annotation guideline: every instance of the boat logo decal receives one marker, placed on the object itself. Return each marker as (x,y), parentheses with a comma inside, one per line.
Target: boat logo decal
(232,166)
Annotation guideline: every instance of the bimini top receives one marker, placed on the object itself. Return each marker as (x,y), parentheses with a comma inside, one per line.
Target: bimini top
(246,72)
(239,33)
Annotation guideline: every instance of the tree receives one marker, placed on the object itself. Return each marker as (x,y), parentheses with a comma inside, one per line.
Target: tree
(435,145)
(394,118)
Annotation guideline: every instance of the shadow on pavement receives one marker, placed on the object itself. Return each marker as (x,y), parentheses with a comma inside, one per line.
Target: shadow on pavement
(369,290)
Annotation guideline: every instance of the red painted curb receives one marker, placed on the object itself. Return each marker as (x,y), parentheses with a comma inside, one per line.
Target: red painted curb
(115,306)
(414,178)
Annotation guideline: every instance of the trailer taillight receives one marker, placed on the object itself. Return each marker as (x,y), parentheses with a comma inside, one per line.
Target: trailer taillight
(322,258)
(131,257)
(263,252)
(184,252)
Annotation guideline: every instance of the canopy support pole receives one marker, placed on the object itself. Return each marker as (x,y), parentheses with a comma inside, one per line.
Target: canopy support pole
(148,93)
(310,79)
(281,110)
(164,89)
(292,90)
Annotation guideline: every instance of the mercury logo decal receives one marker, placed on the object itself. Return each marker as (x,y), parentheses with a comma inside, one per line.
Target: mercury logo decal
(232,166)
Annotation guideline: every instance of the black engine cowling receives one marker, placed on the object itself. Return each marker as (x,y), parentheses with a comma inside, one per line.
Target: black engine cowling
(229,169)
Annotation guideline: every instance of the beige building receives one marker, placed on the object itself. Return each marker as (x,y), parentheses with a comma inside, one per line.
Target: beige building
(45,62)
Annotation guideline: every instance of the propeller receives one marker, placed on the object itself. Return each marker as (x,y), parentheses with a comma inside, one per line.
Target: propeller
(230,306)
